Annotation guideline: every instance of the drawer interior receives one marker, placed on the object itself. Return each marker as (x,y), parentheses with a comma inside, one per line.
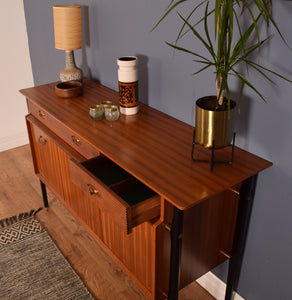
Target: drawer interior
(120,181)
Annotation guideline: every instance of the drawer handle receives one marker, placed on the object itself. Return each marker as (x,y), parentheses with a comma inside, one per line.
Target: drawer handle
(76,140)
(42,140)
(42,114)
(92,190)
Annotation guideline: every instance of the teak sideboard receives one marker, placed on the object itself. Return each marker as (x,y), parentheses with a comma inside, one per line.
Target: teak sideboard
(162,217)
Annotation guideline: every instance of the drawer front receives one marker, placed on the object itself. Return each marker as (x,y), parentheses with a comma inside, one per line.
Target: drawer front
(110,197)
(65,133)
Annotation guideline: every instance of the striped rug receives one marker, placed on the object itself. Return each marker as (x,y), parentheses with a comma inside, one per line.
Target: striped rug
(31,266)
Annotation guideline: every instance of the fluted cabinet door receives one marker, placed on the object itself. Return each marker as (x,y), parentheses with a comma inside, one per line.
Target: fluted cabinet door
(46,160)
(52,166)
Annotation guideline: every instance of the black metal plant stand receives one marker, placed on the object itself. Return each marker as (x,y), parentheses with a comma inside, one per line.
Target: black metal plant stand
(212,160)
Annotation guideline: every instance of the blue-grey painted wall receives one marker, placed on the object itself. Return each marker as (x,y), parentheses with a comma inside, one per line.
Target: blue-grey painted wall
(113,28)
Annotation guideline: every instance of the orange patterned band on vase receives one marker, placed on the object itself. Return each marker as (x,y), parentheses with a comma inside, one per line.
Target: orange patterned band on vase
(128,94)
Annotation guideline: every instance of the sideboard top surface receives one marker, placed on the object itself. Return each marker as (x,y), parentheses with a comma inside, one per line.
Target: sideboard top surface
(152,146)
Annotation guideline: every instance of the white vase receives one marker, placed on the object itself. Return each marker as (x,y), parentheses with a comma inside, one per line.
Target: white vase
(128,85)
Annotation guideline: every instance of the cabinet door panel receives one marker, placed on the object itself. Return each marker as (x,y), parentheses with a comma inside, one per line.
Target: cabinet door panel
(47,163)
(136,250)
(52,166)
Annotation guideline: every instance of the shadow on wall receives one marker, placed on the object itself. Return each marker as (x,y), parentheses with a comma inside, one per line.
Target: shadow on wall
(85,42)
(242,116)
(143,91)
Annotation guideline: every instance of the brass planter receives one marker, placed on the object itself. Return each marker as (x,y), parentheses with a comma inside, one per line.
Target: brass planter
(214,125)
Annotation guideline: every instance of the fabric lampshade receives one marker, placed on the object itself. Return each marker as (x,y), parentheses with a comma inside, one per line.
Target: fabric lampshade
(67,26)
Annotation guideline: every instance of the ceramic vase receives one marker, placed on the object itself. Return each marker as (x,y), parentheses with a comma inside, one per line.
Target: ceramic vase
(128,85)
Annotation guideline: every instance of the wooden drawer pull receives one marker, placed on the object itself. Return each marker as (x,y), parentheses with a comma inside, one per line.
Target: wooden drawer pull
(76,140)
(42,114)
(42,140)
(92,190)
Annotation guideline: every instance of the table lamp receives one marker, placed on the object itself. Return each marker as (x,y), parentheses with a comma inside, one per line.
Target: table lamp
(67,27)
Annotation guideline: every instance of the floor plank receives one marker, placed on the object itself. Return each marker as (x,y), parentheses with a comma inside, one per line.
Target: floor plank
(20,191)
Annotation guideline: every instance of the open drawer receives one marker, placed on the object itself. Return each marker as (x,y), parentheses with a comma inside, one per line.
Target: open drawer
(126,199)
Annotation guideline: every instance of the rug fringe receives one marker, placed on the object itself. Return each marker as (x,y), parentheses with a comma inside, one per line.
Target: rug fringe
(14,219)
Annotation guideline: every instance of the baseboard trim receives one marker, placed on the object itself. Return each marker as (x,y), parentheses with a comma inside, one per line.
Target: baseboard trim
(13,141)
(215,286)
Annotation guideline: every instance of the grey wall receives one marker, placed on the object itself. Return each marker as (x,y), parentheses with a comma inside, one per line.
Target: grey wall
(116,28)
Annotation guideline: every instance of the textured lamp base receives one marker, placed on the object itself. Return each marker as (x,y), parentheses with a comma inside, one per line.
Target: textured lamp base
(70,72)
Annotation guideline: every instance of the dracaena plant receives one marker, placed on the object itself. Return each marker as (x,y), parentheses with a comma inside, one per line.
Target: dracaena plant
(229,42)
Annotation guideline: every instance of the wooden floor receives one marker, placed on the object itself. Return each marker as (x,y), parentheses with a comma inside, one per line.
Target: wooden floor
(20,192)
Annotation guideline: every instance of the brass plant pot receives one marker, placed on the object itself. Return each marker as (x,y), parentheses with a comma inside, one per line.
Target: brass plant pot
(214,124)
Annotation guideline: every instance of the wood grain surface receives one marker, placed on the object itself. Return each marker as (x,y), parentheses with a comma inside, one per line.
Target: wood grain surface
(153,147)
(20,191)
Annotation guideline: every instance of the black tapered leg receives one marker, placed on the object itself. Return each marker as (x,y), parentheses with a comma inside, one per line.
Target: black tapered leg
(175,257)
(246,198)
(44,193)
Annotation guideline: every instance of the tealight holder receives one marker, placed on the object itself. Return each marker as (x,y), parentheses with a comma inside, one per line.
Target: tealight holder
(106,104)
(112,113)
(96,112)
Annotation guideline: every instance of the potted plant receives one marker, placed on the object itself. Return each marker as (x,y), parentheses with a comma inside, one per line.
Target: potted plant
(228,44)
